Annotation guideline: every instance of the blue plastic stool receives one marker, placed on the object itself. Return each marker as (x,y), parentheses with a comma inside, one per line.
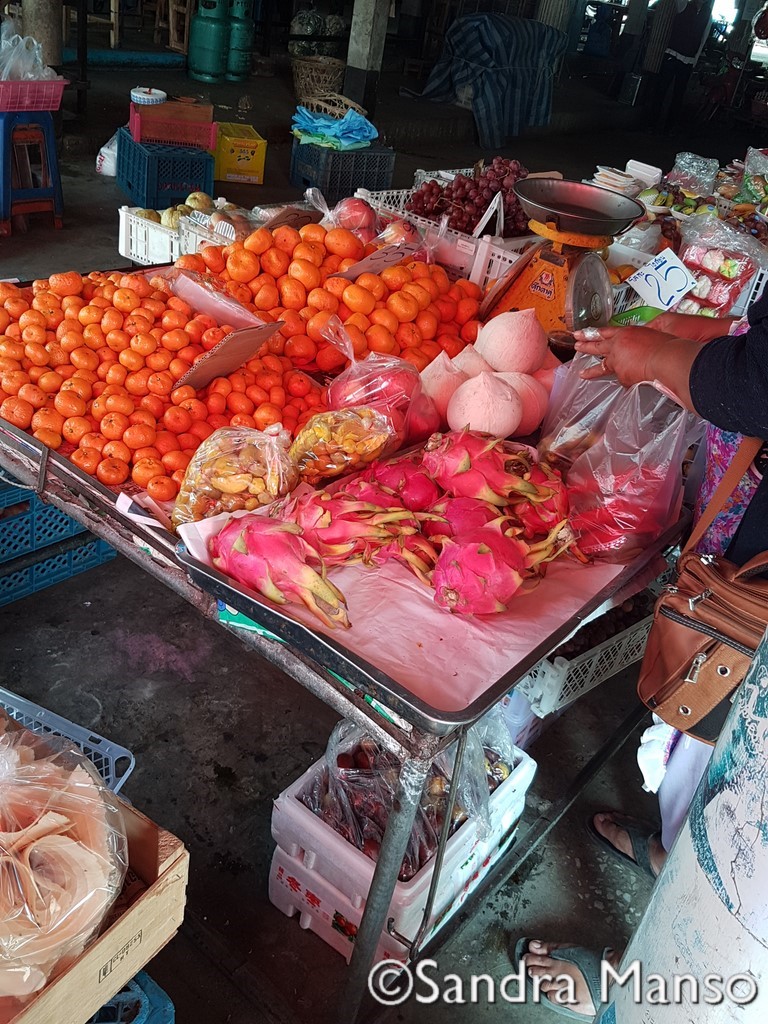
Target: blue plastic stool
(22,128)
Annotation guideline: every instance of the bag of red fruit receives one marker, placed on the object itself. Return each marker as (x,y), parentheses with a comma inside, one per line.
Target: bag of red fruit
(351,213)
(627,488)
(388,384)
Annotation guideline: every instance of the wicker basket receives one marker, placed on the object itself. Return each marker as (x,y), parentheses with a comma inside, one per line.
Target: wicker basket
(316,76)
(334,105)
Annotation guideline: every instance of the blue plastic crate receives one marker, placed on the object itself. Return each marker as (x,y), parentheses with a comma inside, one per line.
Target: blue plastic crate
(338,173)
(156,176)
(54,569)
(142,1001)
(27,524)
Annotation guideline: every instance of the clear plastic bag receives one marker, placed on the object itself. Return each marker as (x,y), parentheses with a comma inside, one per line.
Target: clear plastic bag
(694,173)
(385,383)
(21,57)
(627,488)
(577,414)
(64,857)
(356,215)
(355,791)
(341,441)
(236,469)
(754,185)
(723,261)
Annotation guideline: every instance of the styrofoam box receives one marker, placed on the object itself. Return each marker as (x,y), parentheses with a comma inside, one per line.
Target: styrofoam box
(145,241)
(295,888)
(307,837)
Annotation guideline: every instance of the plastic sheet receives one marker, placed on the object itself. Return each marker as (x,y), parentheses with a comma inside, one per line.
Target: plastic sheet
(205,294)
(627,488)
(236,469)
(64,858)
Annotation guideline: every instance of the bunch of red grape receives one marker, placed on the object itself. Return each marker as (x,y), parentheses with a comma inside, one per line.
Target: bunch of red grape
(464,200)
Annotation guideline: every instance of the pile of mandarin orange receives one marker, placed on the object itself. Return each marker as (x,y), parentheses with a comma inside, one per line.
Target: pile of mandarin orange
(411,311)
(90,366)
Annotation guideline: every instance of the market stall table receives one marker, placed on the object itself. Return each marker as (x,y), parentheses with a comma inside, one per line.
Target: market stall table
(415,731)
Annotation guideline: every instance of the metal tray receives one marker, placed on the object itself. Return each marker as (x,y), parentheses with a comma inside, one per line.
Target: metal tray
(574,206)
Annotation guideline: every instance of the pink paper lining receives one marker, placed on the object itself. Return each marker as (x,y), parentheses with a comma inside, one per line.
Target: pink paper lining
(448,661)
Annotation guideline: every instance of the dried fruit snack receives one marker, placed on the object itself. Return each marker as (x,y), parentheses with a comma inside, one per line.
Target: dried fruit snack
(341,441)
(236,469)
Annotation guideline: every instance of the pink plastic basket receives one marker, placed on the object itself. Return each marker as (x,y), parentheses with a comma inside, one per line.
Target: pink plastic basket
(32,95)
(172,133)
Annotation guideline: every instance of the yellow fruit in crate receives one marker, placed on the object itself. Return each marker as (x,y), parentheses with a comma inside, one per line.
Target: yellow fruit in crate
(152,215)
(613,277)
(199,201)
(624,271)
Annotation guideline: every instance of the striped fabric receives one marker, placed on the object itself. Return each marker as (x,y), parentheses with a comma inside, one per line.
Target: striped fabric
(509,64)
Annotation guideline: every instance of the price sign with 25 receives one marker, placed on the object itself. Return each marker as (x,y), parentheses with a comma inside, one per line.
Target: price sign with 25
(662,282)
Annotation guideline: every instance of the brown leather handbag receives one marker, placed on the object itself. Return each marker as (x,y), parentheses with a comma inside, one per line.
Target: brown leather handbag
(706,626)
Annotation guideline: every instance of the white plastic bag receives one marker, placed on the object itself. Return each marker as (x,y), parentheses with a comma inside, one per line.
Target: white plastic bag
(106,161)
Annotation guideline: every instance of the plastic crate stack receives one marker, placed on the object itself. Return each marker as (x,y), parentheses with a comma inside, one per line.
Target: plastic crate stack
(40,545)
(337,173)
(317,875)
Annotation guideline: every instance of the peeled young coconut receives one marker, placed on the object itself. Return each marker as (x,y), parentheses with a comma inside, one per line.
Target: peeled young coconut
(513,342)
(533,395)
(485,403)
(470,362)
(439,380)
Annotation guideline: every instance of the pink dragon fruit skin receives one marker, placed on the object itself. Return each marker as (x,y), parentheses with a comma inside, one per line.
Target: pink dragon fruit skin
(471,465)
(458,515)
(272,558)
(343,529)
(479,572)
(410,482)
(364,488)
(415,552)
(551,506)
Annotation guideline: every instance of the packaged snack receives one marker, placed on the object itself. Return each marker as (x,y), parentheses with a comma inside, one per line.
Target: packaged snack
(342,440)
(694,173)
(722,259)
(236,469)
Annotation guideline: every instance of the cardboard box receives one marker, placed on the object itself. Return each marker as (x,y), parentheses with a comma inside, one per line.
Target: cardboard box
(240,154)
(160,861)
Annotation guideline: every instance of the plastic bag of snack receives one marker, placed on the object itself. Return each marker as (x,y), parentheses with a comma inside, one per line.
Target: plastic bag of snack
(388,384)
(64,859)
(694,173)
(341,441)
(754,185)
(723,261)
(236,469)
(356,215)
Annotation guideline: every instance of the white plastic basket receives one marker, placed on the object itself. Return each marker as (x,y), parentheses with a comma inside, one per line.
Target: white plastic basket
(193,236)
(751,293)
(554,684)
(144,241)
(443,177)
(624,295)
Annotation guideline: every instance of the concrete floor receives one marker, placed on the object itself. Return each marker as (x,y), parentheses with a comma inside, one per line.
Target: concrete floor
(216,732)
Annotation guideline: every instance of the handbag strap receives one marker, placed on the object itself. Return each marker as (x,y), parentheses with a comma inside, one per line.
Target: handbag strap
(742,460)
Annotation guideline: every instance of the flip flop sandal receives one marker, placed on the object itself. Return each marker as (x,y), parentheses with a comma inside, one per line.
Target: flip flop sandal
(640,836)
(586,960)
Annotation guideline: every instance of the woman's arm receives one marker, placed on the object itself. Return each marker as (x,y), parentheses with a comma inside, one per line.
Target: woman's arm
(693,327)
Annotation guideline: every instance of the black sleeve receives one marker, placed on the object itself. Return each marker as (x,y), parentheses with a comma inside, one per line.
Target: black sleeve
(729,381)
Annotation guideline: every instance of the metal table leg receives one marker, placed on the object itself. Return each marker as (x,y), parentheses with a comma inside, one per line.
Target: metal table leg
(413,775)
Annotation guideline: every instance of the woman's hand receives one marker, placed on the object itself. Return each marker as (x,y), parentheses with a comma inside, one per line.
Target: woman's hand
(692,327)
(627,352)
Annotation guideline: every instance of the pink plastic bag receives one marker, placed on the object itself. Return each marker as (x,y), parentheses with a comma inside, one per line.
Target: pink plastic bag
(388,384)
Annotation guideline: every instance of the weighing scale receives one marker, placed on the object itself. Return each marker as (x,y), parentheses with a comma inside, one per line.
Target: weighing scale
(563,277)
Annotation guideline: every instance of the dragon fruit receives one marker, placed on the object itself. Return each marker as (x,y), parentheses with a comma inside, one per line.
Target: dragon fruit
(410,482)
(453,516)
(273,558)
(415,552)
(479,572)
(540,512)
(471,465)
(342,529)
(365,488)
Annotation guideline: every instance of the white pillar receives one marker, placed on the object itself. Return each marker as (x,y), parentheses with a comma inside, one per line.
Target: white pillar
(664,14)
(42,20)
(708,913)
(366,51)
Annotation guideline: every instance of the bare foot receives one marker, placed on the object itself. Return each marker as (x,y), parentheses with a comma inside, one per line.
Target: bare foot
(539,963)
(617,836)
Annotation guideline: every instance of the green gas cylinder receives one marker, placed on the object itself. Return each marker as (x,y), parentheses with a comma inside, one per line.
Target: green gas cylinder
(240,40)
(209,41)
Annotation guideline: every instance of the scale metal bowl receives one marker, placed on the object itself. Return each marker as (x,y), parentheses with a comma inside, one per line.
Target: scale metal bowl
(573,206)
